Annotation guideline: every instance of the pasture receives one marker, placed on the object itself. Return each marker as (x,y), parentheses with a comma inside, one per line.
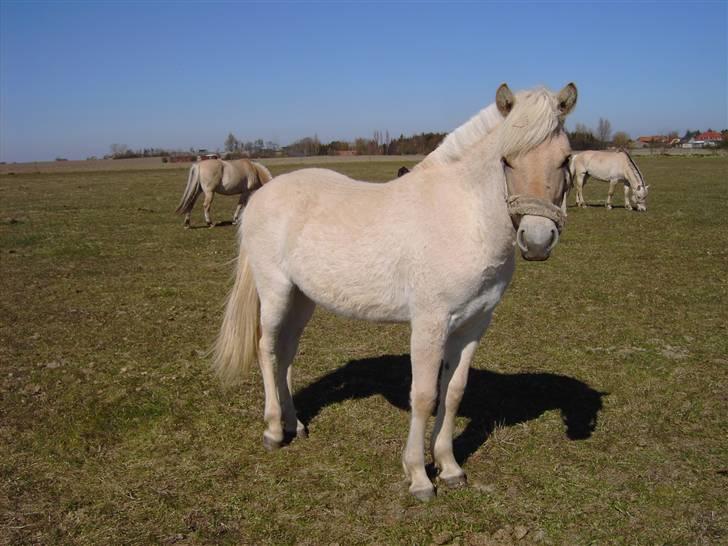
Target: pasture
(595,412)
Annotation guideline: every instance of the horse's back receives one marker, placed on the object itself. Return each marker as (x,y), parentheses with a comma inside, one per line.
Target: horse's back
(605,165)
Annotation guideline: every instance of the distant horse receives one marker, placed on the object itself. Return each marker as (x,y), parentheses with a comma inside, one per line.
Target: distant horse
(212,176)
(433,248)
(614,167)
(402,171)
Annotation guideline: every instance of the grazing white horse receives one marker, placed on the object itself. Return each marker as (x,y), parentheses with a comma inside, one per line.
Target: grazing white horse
(434,248)
(212,176)
(614,167)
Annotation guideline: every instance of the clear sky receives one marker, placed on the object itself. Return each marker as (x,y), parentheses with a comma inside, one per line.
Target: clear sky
(76,77)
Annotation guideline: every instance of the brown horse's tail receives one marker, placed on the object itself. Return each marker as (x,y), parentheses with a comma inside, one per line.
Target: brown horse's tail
(236,347)
(191,191)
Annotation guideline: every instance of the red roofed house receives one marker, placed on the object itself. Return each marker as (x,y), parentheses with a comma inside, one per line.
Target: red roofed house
(711,138)
(706,139)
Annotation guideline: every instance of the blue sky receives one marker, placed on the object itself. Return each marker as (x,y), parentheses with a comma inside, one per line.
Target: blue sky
(76,77)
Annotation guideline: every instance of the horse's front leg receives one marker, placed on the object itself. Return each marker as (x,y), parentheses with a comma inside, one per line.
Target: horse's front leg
(459,352)
(427,350)
(627,202)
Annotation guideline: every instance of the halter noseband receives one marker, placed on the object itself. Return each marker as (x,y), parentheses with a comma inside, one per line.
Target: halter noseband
(522,205)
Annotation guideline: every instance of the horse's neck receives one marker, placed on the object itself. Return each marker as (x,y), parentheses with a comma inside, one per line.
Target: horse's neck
(477,176)
(636,180)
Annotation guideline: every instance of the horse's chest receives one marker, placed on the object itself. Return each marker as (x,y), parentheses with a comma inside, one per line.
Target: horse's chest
(477,289)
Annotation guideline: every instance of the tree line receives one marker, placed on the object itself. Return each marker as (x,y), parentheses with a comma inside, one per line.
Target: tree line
(380,143)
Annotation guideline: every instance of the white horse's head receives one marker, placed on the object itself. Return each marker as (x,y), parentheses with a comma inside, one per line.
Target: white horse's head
(535,157)
(639,197)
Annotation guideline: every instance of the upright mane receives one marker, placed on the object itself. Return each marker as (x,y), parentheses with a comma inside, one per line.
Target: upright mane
(532,120)
(634,165)
(464,137)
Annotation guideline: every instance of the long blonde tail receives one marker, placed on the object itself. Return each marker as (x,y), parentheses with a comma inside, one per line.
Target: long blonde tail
(190,193)
(236,347)
(264,175)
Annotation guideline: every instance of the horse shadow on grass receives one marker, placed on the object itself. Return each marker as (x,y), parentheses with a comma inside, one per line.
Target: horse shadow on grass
(222,223)
(491,399)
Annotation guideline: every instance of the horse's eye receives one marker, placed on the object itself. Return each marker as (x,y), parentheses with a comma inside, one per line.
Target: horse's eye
(505,162)
(565,164)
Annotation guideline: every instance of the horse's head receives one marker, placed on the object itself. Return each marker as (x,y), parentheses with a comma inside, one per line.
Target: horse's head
(537,175)
(639,197)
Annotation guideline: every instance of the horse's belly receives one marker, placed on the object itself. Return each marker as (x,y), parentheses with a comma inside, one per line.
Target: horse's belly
(355,293)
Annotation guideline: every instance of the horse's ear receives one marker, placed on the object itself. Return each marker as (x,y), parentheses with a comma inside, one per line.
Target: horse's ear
(567,99)
(504,99)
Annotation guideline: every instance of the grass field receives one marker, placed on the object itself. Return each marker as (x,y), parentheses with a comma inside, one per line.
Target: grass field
(596,411)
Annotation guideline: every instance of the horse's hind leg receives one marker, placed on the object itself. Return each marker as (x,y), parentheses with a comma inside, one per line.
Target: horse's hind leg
(241,206)
(298,315)
(612,184)
(580,189)
(283,314)
(206,204)
(188,214)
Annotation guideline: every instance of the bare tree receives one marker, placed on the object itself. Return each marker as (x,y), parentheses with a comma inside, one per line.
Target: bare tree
(231,143)
(604,130)
(621,139)
(118,149)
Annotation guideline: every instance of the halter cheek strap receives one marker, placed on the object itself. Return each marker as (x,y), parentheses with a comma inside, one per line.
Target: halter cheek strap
(523,205)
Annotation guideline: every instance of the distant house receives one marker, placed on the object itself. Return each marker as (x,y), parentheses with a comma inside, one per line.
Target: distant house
(654,139)
(708,139)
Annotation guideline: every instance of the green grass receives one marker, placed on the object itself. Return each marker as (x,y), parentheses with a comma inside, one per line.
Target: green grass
(595,413)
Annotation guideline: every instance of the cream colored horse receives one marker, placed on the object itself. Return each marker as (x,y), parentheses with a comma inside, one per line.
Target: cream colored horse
(212,176)
(614,167)
(434,248)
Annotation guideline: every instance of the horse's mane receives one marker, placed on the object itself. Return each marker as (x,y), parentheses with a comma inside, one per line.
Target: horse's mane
(634,165)
(533,119)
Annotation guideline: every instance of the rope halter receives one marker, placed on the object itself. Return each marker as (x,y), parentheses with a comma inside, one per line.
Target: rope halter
(523,205)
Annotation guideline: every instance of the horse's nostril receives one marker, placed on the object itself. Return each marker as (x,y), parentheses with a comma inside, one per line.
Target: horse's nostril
(521,243)
(554,240)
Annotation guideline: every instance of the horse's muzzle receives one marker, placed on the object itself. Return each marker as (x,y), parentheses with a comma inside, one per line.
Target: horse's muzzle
(536,237)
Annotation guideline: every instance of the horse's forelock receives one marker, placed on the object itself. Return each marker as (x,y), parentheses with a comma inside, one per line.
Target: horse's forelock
(535,117)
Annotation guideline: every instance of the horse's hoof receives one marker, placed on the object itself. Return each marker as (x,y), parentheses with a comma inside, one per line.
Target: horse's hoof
(291,435)
(187,226)
(455,482)
(271,445)
(424,495)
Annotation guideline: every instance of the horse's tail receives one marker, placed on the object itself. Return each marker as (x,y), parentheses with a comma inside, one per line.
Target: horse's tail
(236,347)
(191,190)
(262,173)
